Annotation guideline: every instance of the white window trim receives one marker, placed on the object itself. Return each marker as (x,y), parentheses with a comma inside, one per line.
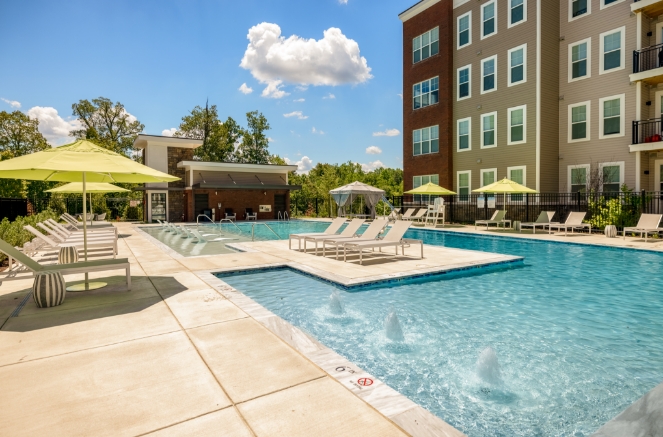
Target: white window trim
(429,92)
(588,120)
(589,10)
(483,6)
(458,46)
(622,116)
(569,180)
(659,33)
(429,139)
(589,59)
(430,43)
(509,25)
(609,164)
(603,5)
(657,104)
(469,130)
(495,130)
(524,47)
(508,123)
(657,175)
(508,175)
(622,50)
(494,58)
(458,98)
(488,170)
(469,184)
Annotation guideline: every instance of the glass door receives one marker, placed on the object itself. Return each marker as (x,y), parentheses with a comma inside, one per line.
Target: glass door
(158,206)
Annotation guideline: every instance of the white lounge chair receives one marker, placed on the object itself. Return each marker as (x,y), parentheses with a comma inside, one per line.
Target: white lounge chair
(332,229)
(79,244)
(394,238)
(103,231)
(497,219)
(648,224)
(349,231)
(418,216)
(201,238)
(408,213)
(573,221)
(70,238)
(371,233)
(543,220)
(34,267)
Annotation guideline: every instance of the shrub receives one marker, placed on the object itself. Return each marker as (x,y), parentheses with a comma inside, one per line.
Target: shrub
(13,232)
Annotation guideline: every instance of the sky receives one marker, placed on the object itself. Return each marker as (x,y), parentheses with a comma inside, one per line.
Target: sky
(327,74)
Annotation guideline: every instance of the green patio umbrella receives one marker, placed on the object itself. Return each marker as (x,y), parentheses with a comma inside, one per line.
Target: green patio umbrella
(81,161)
(92,187)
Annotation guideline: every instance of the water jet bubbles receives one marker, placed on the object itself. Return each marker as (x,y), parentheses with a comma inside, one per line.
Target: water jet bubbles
(393,328)
(488,367)
(335,303)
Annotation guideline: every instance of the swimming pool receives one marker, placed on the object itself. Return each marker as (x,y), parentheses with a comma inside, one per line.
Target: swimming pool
(576,334)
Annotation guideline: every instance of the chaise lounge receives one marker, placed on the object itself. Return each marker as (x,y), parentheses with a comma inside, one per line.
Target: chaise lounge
(349,231)
(497,219)
(648,224)
(332,229)
(573,221)
(371,233)
(544,219)
(394,238)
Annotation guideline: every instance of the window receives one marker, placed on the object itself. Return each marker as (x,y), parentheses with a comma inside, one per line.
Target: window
(464,129)
(464,185)
(423,180)
(579,122)
(612,176)
(426,45)
(425,93)
(488,176)
(425,140)
(517,12)
(464,90)
(606,3)
(611,121)
(580,60)
(488,19)
(578,178)
(465,30)
(488,131)
(517,65)
(579,8)
(612,50)
(516,122)
(517,174)
(489,74)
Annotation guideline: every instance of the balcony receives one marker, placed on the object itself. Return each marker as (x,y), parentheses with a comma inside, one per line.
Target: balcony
(648,64)
(647,135)
(652,8)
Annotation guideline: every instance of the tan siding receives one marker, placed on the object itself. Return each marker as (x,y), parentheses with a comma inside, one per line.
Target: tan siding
(549,97)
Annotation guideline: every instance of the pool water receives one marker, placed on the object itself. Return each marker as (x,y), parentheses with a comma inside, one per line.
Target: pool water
(576,334)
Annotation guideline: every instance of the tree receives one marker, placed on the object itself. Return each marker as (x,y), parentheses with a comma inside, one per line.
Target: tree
(107,124)
(254,146)
(19,135)
(219,138)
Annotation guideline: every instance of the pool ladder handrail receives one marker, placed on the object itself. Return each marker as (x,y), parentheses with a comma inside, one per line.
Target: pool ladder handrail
(253,227)
(203,215)
(284,217)
(231,222)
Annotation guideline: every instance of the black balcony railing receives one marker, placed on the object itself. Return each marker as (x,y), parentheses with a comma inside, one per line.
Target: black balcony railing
(648,58)
(647,131)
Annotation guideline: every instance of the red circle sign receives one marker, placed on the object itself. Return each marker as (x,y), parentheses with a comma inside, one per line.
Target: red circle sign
(365,382)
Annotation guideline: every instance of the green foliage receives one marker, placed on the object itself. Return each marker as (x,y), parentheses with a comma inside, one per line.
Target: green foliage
(133,212)
(13,232)
(623,211)
(219,138)
(254,146)
(107,124)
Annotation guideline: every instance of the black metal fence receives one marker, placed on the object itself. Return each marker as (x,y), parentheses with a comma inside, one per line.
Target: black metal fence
(114,206)
(648,58)
(13,207)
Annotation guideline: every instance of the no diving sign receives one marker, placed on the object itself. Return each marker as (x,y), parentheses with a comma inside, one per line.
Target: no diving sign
(365,382)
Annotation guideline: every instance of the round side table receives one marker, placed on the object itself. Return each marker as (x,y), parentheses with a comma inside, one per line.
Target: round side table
(48,290)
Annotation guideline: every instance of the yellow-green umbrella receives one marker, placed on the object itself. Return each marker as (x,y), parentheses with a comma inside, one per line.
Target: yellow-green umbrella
(430,189)
(90,187)
(505,186)
(81,161)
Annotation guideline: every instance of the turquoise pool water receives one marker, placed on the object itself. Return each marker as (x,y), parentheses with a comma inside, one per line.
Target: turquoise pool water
(576,333)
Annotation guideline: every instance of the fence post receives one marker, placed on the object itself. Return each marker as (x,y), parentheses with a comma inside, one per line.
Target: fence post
(451,209)
(578,200)
(642,201)
(527,206)
(316,206)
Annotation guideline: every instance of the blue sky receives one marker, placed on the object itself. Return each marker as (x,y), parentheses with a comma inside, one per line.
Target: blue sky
(161,58)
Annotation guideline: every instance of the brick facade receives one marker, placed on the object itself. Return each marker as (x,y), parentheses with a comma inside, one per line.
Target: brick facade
(440,14)
(238,200)
(176,199)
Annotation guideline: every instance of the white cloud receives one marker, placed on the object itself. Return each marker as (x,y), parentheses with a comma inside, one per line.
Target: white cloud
(400,95)
(301,88)
(387,133)
(343,2)
(373,150)
(329,96)
(372,166)
(244,89)
(299,100)
(169,132)
(52,126)
(273,90)
(271,140)
(299,114)
(304,165)
(130,117)
(13,103)
(274,59)
(315,131)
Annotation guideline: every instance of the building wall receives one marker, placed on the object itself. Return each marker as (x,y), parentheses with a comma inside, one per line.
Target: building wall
(176,200)
(549,99)
(439,14)
(238,200)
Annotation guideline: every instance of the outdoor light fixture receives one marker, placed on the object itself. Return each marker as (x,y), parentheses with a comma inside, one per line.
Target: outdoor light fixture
(201,177)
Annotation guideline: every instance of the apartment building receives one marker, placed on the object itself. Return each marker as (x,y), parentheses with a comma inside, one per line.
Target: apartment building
(559,95)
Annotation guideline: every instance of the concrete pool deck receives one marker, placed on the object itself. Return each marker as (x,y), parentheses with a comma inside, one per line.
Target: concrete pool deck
(182,353)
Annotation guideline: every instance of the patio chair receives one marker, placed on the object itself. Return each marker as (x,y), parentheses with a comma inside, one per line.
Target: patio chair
(201,238)
(110,230)
(394,238)
(250,215)
(230,215)
(543,220)
(497,219)
(63,237)
(648,224)
(349,231)
(418,216)
(34,267)
(408,213)
(332,229)
(79,244)
(371,233)
(573,221)
(101,217)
